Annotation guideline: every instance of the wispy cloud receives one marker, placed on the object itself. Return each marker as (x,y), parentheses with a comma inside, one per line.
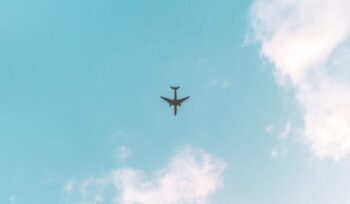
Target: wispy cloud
(286,131)
(68,187)
(306,40)
(281,132)
(270,129)
(121,153)
(222,83)
(12,199)
(189,178)
(280,149)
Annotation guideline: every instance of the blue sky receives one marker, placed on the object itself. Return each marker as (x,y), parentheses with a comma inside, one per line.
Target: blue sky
(80,83)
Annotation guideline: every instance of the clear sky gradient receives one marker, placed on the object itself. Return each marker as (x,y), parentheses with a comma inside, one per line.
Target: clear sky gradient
(81,79)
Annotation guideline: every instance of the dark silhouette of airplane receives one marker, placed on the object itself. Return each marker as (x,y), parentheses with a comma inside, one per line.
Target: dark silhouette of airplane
(175,102)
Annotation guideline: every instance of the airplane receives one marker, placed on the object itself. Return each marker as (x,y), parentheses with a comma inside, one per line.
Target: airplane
(175,102)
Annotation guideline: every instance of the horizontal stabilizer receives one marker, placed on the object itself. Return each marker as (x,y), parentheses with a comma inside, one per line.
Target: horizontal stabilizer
(174,87)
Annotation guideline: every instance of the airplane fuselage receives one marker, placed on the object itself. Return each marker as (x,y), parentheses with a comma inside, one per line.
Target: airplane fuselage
(175,100)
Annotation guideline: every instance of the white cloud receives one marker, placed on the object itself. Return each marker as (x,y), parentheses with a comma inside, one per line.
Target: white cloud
(302,39)
(189,178)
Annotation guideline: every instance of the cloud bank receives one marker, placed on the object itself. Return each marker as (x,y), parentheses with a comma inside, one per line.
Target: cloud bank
(189,178)
(308,42)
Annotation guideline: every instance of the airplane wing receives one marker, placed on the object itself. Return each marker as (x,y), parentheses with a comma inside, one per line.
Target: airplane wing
(171,102)
(182,100)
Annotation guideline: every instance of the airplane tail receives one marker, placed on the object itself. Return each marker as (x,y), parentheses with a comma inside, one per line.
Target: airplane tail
(174,87)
